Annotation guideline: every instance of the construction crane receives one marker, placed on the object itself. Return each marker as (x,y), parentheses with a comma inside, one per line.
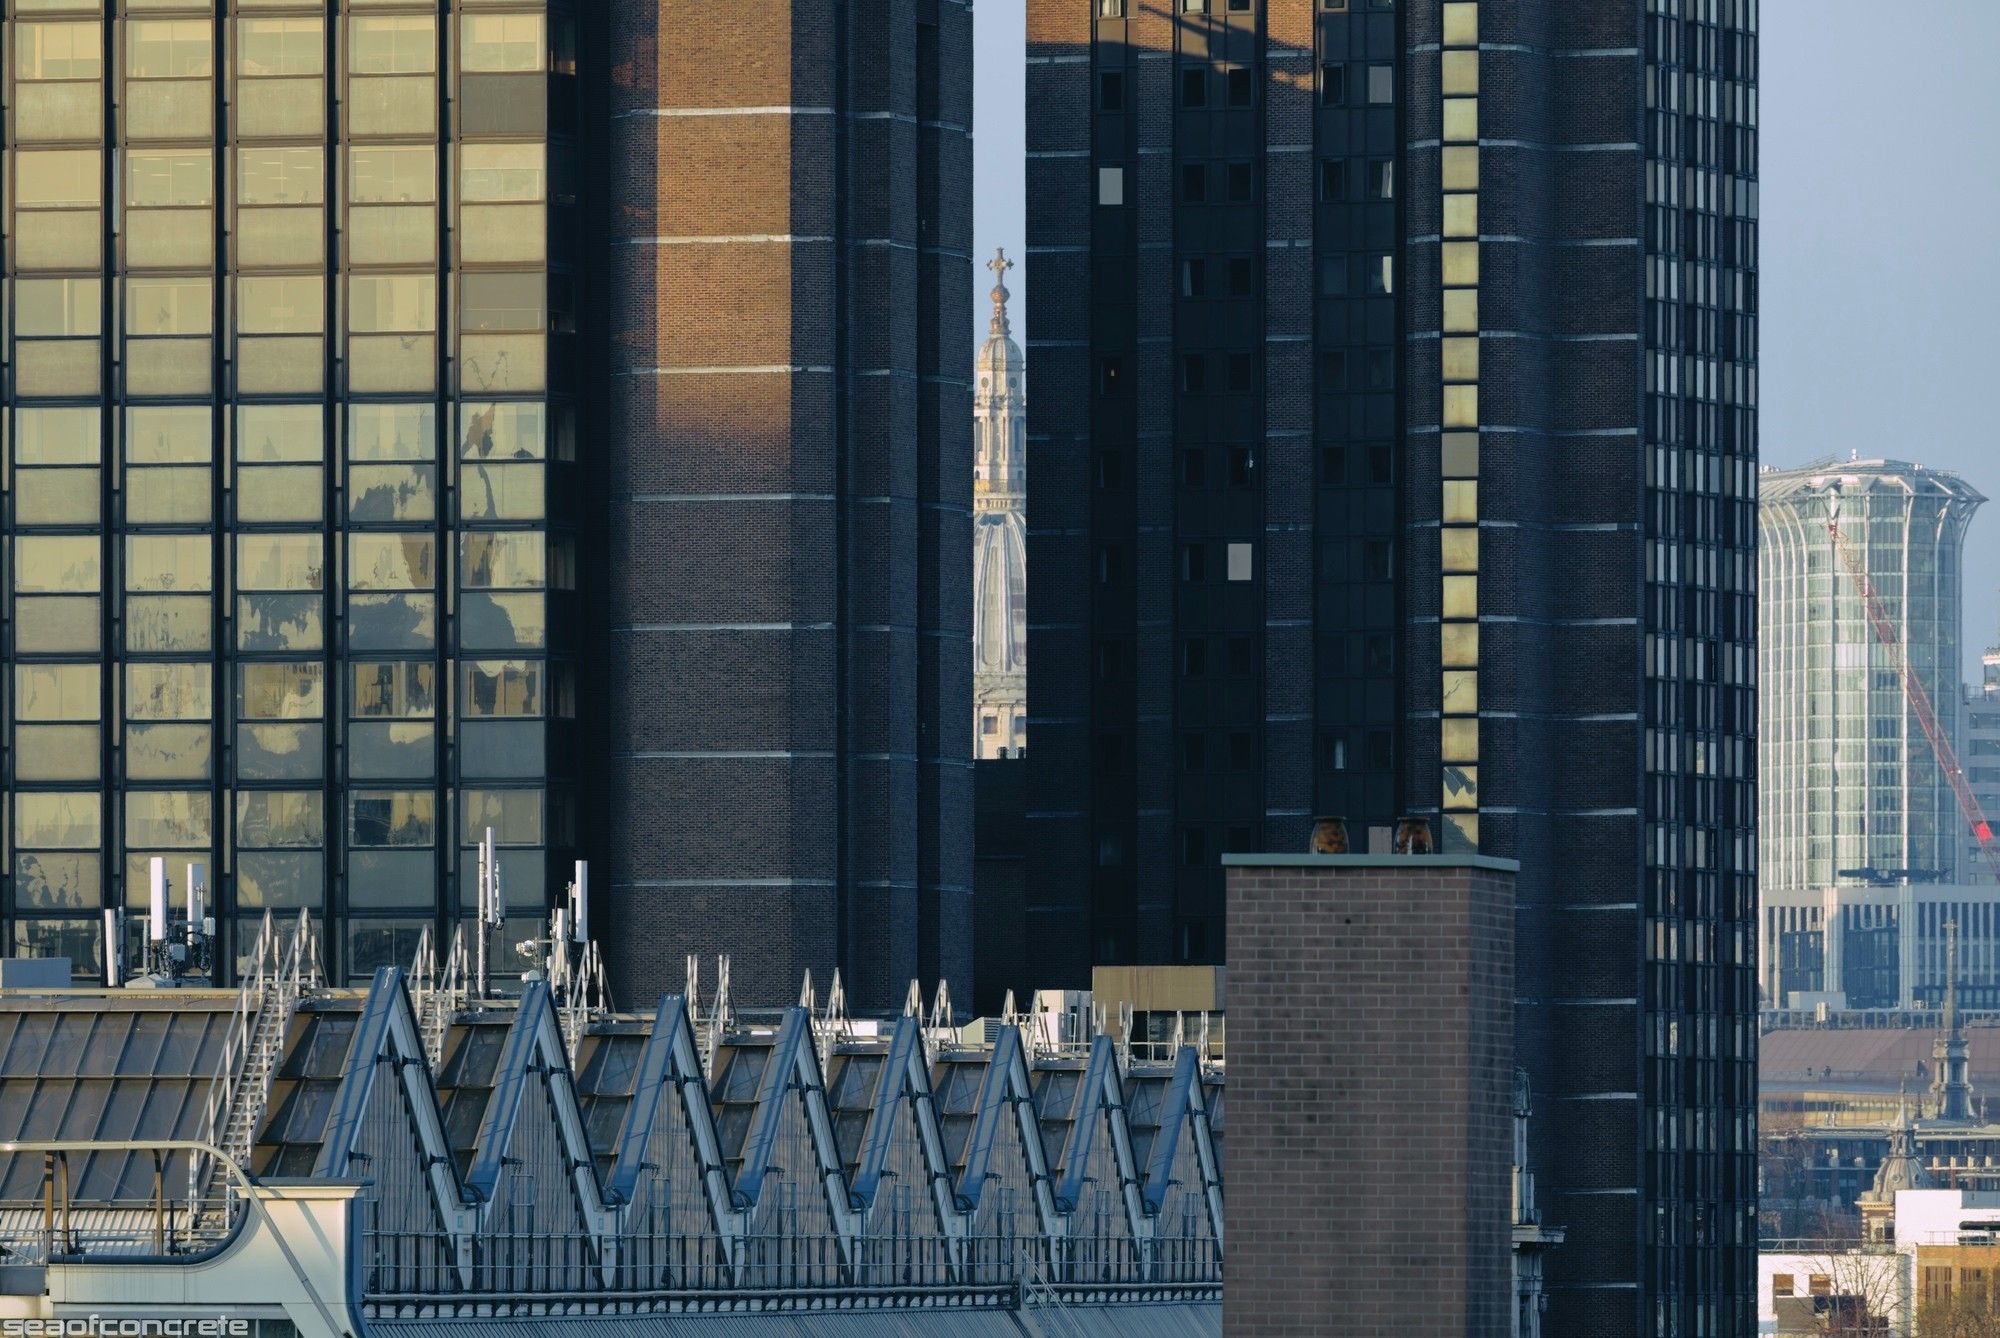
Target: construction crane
(1919,698)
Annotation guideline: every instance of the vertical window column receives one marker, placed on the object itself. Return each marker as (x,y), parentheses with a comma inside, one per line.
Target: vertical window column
(507,563)
(54,562)
(1458,632)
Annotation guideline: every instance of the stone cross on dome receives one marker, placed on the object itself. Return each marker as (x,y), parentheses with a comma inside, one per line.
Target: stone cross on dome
(1000,264)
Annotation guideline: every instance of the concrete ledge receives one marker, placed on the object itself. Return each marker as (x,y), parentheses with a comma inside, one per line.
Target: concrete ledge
(1494,863)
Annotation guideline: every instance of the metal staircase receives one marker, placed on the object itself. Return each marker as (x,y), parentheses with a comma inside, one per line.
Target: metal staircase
(281,969)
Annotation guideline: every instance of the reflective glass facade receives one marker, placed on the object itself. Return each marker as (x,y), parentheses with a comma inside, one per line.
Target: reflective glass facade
(289,488)
(1852,788)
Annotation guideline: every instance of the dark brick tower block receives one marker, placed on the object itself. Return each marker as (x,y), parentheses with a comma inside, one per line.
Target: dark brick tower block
(1371,1069)
(1394,453)
(786,415)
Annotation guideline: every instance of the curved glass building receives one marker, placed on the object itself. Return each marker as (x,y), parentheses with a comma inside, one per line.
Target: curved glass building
(1851,787)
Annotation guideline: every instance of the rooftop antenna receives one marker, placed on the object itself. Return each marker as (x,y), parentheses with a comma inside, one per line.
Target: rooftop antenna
(579,903)
(489,907)
(197,889)
(114,947)
(174,948)
(156,925)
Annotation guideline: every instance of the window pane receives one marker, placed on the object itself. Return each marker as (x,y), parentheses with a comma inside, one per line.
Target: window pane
(391,622)
(503,688)
(58,51)
(281,175)
(266,47)
(168,624)
(56,436)
(514,560)
(280,880)
(382,750)
(266,432)
(48,881)
(392,818)
(280,561)
(58,821)
(281,691)
(58,308)
(501,492)
(168,692)
(168,49)
(504,431)
(503,172)
(280,493)
(514,815)
(54,754)
(167,434)
(57,497)
(503,302)
(58,178)
(394,689)
(392,45)
(168,752)
(57,564)
(161,563)
(281,304)
(503,622)
(57,692)
(378,493)
(392,303)
(167,496)
(165,178)
(391,432)
(501,42)
(280,752)
(170,819)
(398,174)
(267,819)
(56,625)
(280,623)
(391,561)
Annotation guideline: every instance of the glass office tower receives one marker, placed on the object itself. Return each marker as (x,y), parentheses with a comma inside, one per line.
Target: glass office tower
(1852,789)
(289,484)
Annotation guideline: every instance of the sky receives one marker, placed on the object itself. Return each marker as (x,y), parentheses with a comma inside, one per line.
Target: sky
(1880,255)
(999,113)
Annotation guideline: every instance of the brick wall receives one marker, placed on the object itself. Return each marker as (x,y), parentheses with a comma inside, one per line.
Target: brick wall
(1371,1059)
(787,476)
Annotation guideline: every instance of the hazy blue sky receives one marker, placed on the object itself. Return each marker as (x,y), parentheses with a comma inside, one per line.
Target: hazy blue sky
(1881,237)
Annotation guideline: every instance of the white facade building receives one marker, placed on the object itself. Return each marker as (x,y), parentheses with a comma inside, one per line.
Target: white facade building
(1887,946)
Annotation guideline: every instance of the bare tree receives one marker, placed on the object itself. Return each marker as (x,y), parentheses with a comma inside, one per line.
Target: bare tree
(1962,1313)
(1789,1168)
(1856,1288)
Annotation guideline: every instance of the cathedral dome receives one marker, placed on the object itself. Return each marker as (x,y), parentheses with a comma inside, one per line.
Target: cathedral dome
(999,593)
(1000,366)
(999,534)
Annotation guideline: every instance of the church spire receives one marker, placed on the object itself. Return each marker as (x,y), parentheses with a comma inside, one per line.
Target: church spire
(1951,1081)
(1000,264)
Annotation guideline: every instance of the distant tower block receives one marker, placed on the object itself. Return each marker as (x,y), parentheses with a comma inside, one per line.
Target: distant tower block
(1000,536)
(1850,788)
